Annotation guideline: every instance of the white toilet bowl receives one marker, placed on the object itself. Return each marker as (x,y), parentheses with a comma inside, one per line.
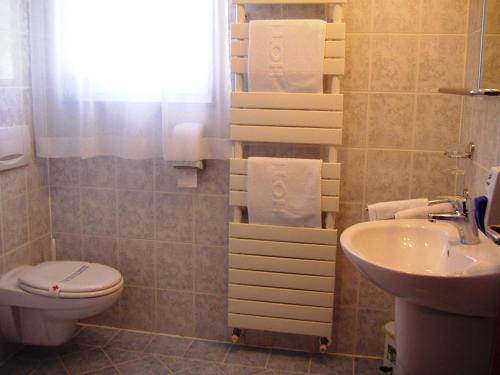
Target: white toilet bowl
(40,305)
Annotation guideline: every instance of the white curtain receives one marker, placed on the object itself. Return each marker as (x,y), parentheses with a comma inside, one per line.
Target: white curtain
(113,77)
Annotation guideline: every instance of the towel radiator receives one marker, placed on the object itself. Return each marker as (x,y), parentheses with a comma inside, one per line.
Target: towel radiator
(281,278)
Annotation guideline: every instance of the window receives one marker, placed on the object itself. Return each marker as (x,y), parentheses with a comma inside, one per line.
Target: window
(6,58)
(129,50)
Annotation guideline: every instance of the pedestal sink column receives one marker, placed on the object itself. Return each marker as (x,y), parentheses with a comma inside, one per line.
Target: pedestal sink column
(434,342)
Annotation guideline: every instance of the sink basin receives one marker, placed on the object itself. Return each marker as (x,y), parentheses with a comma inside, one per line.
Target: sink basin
(425,263)
(447,293)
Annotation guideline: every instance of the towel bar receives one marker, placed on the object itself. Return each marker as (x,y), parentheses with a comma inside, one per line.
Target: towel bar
(282,279)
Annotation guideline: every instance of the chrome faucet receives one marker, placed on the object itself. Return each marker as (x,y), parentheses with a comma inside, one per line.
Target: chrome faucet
(463,218)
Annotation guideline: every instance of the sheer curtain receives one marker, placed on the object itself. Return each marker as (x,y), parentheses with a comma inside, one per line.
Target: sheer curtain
(113,77)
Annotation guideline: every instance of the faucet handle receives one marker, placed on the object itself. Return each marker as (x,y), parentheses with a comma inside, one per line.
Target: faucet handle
(459,202)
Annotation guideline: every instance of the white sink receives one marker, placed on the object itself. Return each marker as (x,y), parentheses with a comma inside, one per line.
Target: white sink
(447,293)
(425,263)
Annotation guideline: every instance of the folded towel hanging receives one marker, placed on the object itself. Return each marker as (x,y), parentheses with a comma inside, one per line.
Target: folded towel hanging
(387,210)
(284,192)
(422,212)
(286,55)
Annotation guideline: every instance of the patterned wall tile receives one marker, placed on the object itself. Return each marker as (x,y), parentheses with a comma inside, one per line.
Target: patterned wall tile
(396,16)
(98,211)
(211,269)
(442,61)
(211,218)
(175,311)
(98,172)
(137,261)
(438,122)
(388,176)
(394,66)
(174,265)
(136,214)
(174,217)
(444,16)
(135,174)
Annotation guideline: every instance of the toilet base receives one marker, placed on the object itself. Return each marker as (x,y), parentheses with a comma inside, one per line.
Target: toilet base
(31,327)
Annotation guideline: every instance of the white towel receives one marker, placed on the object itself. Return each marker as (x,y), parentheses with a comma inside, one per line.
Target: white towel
(422,212)
(387,210)
(284,192)
(286,55)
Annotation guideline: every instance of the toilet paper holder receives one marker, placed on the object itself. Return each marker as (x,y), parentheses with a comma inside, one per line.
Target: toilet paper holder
(15,147)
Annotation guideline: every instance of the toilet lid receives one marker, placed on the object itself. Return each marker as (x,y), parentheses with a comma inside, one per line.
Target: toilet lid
(71,279)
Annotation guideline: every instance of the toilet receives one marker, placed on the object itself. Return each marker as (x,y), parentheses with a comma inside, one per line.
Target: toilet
(40,305)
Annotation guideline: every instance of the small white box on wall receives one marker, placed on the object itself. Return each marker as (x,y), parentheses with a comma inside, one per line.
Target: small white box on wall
(15,147)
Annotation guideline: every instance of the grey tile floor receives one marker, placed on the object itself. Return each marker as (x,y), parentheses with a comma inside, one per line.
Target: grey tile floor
(103,351)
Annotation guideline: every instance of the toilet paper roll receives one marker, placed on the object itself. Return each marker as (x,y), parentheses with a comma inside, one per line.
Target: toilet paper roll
(187,177)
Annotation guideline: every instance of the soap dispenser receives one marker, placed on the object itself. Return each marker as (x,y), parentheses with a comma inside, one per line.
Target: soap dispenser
(492,217)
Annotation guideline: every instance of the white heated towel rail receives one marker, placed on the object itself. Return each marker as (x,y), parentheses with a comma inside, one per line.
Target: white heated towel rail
(282,278)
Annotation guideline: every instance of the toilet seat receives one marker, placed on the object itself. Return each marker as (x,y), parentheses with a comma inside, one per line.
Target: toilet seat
(68,279)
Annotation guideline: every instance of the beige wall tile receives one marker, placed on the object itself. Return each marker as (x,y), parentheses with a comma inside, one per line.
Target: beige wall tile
(137,308)
(18,257)
(137,262)
(394,65)
(387,175)
(441,61)
(472,62)
(353,174)
(14,223)
(64,172)
(211,317)
(485,134)
(475,15)
(214,179)
(390,122)
(355,119)
(344,330)
(39,213)
(13,183)
(68,246)
(40,249)
(357,63)
(369,336)
(492,17)
(98,172)
(437,122)
(65,210)
(102,250)
(432,175)
(396,16)
(175,312)
(349,214)
(38,174)
(211,269)
(357,16)
(174,217)
(211,218)
(372,297)
(135,174)
(174,266)
(491,62)
(346,283)
(136,214)
(98,212)
(444,16)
